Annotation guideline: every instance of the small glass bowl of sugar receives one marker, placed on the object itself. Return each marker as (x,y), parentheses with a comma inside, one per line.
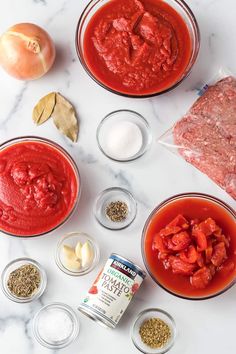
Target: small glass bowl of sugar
(124,135)
(55,325)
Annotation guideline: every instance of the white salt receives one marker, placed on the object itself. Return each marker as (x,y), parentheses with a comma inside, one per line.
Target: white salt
(55,325)
(124,140)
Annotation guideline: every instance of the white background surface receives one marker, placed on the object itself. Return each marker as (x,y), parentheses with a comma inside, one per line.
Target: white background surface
(204,327)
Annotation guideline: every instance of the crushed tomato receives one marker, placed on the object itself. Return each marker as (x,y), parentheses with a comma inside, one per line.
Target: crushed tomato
(137,47)
(192,248)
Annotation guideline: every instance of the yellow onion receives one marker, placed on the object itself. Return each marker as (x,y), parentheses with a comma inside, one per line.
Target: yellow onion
(27,52)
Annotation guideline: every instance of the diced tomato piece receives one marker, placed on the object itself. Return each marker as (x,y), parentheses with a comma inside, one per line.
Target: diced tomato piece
(223,238)
(179,221)
(180,267)
(185,226)
(219,254)
(170,231)
(122,24)
(218,231)
(212,269)
(208,251)
(200,260)
(201,278)
(226,268)
(170,245)
(190,255)
(201,239)
(163,256)
(208,226)
(194,222)
(159,244)
(166,263)
(141,54)
(179,241)
(147,27)
(226,240)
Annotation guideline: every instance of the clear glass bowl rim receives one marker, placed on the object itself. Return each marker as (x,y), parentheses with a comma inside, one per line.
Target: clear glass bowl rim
(74,234)
(73,163)
(42,287)
(165,313)
(164,203)
(67,341)
(193,59)
(139,116)
(123,190)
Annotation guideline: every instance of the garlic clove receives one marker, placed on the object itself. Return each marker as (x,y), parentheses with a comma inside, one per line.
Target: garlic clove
(73,264)
(71,261)
(86,255)
(69,252)
(78,248)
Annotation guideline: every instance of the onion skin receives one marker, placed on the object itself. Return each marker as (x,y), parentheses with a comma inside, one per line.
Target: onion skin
(27,52)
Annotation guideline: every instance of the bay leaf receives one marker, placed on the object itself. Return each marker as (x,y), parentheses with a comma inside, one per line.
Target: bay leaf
(44,108)
(64,118)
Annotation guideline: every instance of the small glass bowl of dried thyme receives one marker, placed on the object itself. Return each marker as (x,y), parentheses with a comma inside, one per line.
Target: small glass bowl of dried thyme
(23,280)
(115,208)
(154,331)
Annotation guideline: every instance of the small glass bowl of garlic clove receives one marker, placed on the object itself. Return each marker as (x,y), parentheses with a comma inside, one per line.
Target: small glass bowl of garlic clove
(77,253)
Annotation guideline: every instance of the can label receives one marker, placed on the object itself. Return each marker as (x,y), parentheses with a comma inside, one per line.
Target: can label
(113,290)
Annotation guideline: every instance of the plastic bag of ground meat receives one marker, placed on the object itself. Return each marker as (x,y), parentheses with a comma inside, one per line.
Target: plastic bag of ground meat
(206,135)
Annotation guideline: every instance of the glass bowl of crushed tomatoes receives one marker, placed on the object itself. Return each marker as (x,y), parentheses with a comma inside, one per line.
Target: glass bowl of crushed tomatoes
(189,246)
(137,48)
(39,186)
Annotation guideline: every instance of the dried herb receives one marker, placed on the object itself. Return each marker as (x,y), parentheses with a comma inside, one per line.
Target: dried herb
(61,110)
(64,118)
(24,281)
(155,333)
(44,108)
(117,211)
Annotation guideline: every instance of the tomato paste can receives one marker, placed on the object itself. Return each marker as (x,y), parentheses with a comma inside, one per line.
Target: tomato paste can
(112,291)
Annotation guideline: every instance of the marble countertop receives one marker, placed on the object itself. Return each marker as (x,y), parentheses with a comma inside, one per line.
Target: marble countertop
(203,327)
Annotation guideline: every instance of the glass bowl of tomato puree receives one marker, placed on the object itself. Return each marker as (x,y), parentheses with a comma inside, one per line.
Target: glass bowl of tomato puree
(137,48)
(189,246)
(39,186)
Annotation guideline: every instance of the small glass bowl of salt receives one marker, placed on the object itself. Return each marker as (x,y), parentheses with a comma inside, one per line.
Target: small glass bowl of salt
(124,135)
(55,325)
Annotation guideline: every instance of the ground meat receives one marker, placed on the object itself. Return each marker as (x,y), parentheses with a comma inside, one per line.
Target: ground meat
(206,135)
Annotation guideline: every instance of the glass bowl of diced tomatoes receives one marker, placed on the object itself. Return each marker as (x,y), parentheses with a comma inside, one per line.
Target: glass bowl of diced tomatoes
(189,246)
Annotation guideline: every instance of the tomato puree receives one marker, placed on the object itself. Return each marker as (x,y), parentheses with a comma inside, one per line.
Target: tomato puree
(137,47)
(170,277)
(38,188)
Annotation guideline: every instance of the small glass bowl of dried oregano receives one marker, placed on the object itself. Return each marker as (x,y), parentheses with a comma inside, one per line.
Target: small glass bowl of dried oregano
(115,208)
(154,331)
(23,280)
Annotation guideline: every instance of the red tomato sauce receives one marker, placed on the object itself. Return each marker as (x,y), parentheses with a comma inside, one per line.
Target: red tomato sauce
(38,188)
(137,47)
(191,208)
